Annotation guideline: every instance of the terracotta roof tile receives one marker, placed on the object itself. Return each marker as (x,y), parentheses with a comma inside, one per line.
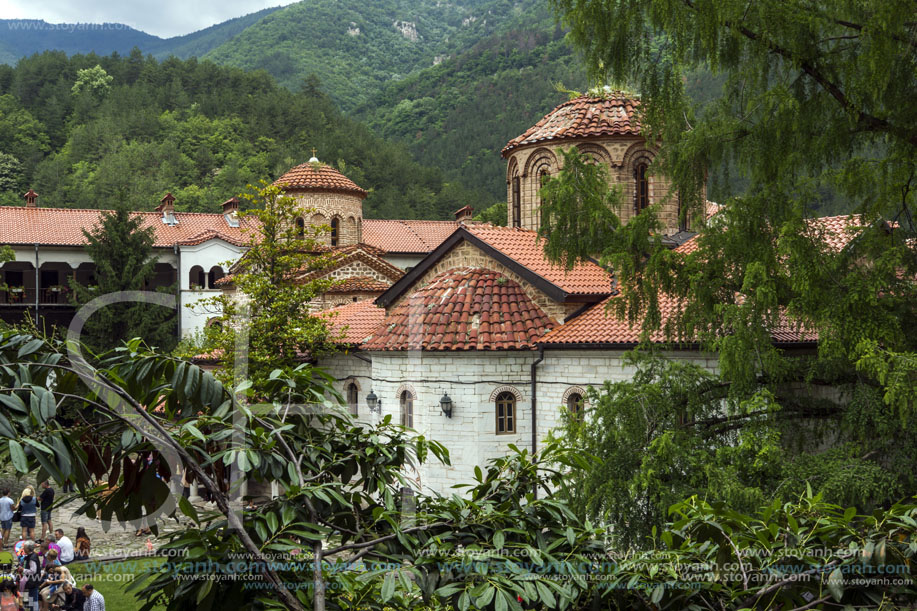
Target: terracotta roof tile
(356,321)
(463,309)
(314,176)
(583,117)
(599,326)
(64,226)
(414,237)
(522,246)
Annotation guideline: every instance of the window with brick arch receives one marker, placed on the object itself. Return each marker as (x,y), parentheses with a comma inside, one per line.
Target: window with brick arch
(300,227)
(575,405)
(407,409)
(641,187)
(517,202)
(335,230)
(353,396)
(505,405)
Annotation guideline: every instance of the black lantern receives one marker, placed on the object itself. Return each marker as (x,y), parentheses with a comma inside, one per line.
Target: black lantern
(445,404)
(373,402)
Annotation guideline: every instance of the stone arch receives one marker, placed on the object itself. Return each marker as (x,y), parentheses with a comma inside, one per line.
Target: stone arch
(406,387)
(597,153)
(574,390)
(351,380)
(538,158)
(512,168)
(505,388)
(336,225)
(215,274)
(636,151)
(318,219)
(351,232)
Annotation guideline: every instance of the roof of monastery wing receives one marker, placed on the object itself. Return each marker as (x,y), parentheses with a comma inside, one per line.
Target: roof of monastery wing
(359,284)
(583,117)
(463,309)
(368,255)
(317,176)
(406,236)
(356,321)
(64,227)
(520,251)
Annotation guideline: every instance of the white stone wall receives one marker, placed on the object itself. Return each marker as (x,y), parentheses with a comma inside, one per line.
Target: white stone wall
(207,255)
(470,379)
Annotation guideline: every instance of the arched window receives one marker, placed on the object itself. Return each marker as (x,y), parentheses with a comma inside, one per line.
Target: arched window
(197,278)
(543,176)
(517,203)
(575,405)
(353,396)
(407,409)
(335,230)
(300,227)
(641,187)
(215,273)
(506,413)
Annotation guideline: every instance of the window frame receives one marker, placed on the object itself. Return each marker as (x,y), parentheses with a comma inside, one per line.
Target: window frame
(335,230)
(517,202)
(406,405)
(641,186)
(353,401)
(507,401)
(576,407)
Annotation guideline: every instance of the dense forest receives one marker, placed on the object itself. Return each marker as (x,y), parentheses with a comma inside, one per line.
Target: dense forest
(134,128)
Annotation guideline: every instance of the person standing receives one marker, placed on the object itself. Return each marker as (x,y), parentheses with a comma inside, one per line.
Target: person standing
(94,600)
(27,507)
(6,517)
(47,500)
(82,544)
(66,547)
(31,574)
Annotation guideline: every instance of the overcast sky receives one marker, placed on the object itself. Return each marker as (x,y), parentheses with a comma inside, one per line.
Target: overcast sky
(159,17)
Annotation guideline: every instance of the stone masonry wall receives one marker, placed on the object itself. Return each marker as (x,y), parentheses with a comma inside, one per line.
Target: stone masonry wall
(618,154)
(471,380)
(465,254)
(319,208)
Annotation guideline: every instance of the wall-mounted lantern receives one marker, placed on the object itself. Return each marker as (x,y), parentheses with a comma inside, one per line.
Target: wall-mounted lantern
(373,402)
(445,404)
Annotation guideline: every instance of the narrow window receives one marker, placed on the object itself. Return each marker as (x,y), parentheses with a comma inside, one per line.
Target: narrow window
(506,413)
(335,230)
(353,396)
(517,203)
(407,409)
(300,227)
(543,176)
(641,188)
(575,405)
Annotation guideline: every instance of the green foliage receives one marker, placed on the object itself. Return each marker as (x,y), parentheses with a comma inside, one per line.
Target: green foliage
(268,316)
(197,130)
(124,261)
(676,430)
(93,81)
(495,214)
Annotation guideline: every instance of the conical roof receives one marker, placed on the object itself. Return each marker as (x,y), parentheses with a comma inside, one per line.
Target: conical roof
(316,176)
(583,117)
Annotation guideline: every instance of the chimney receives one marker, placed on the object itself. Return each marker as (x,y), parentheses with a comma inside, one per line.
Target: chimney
(31,199)
(166,205)
(231,206)
(463,215)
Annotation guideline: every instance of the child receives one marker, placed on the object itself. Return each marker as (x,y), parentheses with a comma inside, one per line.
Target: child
(9,596)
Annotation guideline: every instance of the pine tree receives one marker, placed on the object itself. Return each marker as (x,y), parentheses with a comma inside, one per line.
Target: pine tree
(123,254)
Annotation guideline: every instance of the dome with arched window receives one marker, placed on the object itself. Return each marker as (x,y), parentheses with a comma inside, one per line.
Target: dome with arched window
(328,198)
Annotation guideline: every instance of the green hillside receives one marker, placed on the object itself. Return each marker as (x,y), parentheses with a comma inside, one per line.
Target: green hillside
(356,47)
(459,114)
(193,128)
(197,44)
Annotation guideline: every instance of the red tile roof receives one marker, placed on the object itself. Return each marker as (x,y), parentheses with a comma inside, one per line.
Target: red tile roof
(356,321)
(64,227)
(463,309)
(315,176)
(522,246)
(583,117)
(360,284)
(409,237)
(599,326)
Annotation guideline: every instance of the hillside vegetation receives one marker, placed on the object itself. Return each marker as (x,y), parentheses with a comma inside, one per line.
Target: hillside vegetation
(138,128)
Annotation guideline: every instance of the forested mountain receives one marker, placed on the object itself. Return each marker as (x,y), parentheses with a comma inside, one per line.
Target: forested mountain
(135,128)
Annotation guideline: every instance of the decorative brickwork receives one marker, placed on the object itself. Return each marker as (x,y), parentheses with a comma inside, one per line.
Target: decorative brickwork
(468,255)
(320,208)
